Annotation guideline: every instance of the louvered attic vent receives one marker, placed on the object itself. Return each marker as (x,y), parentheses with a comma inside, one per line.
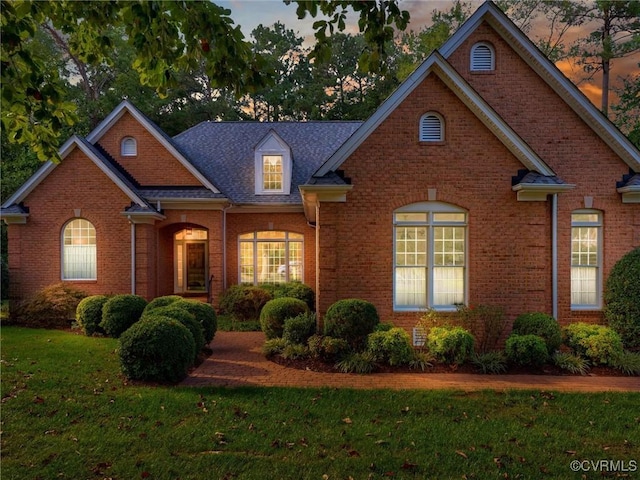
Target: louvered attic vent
(482,59)
(431,129)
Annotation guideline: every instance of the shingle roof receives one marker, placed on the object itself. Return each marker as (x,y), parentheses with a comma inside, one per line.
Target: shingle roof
(534,178)
(224,152)
(178,192)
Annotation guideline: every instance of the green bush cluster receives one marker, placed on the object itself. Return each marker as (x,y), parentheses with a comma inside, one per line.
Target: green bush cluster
(327,349)
(89,314)
(176,312)
(160,302)
(298,290)
(622,299)
(391,346)
(542,325)
(451,345)
(205,315)
(352,320)
(120,312)
(244,302)
(297,330)
(52,307)
(276,311)
(527,350)
(597,343)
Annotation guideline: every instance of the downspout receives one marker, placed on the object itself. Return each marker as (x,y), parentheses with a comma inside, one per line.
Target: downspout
(224,247)
(133,258)
(554,255)
(318,265)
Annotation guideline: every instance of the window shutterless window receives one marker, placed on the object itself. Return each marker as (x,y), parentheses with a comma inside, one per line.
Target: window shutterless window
(586,259)
(429,256)
(270,257)
(79,258)
(272,173)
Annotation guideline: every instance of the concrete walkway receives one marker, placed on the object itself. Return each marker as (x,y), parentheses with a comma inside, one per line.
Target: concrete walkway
(237,361)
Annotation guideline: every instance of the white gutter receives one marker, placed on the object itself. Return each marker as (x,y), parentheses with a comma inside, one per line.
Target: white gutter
(133,258)
(554,255)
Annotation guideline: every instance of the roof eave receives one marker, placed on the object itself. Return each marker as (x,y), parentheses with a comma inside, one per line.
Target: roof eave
(529,192)
(312,195)
(15,218)
(630,193)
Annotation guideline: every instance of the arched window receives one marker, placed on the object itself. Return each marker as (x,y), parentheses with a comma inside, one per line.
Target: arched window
(586,259)
(270,257)
(129,147)
(430,256)
(482,58)
(79,258)
(431,127)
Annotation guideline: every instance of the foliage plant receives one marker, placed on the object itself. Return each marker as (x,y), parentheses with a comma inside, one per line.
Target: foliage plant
(244,302)
(628,363)
(327,349)
(528,350)
(120,312)
(622,299)
(204,314)
(293,289)
(175,312)
(89,314)
(357,362)
(570,362)
(276,311)
(158,349)
(352,320)
(52,307)
(160,302)
(295,351)
(597,343)
(298,329)
(451,345)
(541,324)
(485,322)
(493,362)
(421,361)
(274,346)
(392,346)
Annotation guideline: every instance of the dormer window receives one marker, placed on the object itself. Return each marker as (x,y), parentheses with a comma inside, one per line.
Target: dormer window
(483,58)
(273,166)
(128,147)
(431,128)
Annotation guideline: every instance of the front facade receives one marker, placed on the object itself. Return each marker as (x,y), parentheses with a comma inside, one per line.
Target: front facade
(486,178)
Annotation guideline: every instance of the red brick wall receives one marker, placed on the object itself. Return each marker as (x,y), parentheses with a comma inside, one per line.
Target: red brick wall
(153,165)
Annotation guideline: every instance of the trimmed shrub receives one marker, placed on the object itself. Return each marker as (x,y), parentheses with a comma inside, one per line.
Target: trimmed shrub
(120,312)
(297,330)
(52,307)
(352,320)
(526,350)
(327,349)
(452,345)
(597,343)
(276,311)
(158,349)
(392,346)
(177,312)
(244,302)
(205,315)
(540,324)
(160,302)
(298,290)
(383,327)
(89,314)
(622,299)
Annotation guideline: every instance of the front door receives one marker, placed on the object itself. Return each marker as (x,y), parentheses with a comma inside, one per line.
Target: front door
(190,261)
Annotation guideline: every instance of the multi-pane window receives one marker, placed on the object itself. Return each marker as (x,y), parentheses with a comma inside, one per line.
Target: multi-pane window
(430,256)
(271,257)
(272,172)
(586,253)
(79,257)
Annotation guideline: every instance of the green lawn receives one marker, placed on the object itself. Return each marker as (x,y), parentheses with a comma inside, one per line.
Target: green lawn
(67,413)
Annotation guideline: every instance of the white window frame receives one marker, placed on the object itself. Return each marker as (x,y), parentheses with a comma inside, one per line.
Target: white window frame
(128,147)
(590,224)
(430,209)
(287,239)
(427,128)
(90,250)
(473,65)
(272,145)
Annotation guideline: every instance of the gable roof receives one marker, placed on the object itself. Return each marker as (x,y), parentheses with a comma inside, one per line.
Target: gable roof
(167,142)
(225,153)
(551,74)
(436,64)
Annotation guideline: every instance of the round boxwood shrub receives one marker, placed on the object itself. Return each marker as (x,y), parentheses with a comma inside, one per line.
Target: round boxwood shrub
(452,345)
(120,312)
(89,314)
(156,348)
(205,314)
(540,324)
(176,312)
(526,350)
(292,289)
(276,311)
(160,302)
(597,343)
(352,320)
(244,302)
(391,346)
(297,330)
(622,299)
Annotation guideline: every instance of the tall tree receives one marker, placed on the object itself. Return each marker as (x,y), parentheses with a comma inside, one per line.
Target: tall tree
(627,109)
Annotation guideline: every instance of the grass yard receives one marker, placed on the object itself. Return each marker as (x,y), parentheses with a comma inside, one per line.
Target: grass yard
(67,413)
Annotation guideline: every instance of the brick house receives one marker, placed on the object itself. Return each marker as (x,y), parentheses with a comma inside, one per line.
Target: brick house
(487,177)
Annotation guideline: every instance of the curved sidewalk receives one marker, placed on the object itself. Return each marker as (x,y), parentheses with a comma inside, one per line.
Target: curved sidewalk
(237,361)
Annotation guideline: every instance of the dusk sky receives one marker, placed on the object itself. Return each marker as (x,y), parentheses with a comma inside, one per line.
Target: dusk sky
(251,13)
